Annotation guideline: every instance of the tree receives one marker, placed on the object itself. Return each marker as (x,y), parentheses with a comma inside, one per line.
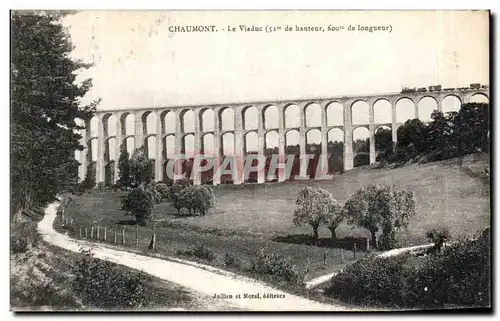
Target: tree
(45,100)
(124,179)
(204,198)
(438,236)
(380,207)
(334,218)
(313,207)
(141,168)
(163,190)
(383,143)
(412,140)
(471,128)
(140,202)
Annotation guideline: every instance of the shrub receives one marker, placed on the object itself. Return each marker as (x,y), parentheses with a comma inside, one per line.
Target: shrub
(459,275)
(23,236)
(103,285)
(278,267)
(230,260)
(140,202)
(163,190)
(203,252)
(438,236)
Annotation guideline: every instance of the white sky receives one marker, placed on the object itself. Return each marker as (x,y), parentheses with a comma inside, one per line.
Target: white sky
(139,63)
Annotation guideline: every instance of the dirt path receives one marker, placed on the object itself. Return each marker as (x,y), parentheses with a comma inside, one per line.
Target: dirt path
(207,281)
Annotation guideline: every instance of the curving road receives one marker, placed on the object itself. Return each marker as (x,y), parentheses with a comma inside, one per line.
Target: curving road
(204,280)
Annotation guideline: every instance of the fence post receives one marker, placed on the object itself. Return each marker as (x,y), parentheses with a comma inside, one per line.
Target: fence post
(137,236)
(80,232)
(342,256)
(324,258)
(86,234)
(92,232)
(97,231)
(354,250)
(115,237)
(123,236)
(367,245)
(105,233)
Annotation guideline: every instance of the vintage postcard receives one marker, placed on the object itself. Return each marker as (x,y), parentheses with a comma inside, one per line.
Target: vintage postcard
(250,160)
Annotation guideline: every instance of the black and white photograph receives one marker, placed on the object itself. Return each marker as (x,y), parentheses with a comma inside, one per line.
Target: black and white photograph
(260,160)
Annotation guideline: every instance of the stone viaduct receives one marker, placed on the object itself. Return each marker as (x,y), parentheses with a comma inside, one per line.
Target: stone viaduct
(239,131)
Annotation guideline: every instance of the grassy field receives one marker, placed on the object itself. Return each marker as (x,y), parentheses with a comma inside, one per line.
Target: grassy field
(248,218)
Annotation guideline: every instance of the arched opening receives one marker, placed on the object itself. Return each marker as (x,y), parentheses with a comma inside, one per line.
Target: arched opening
(313,147)
(129,141)
(271,117)
(187,147)
(405,110)
(335,150)
(271,141)
(109,124)
(479,98)
(208,149)
(251,143)
(451,103)
(150,147)
(313,115)
(292,147)
(426,106)
(169,149)
(94,125)
(360,113)
(110,149)
(109,173)
(168,122)
(382,112)
(250,116)
(187,121)
(227,141)
(128,125)
(383,142)
(208,144)
(226,119)
(334,114)
(149,123)
(292,116)
(207,119)
(361,146)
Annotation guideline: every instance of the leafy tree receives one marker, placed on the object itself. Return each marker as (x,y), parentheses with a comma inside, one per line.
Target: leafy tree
(334,218)
(141,168)
(471,128)
(124,178)
(140,202)
(45,100)
(383,143)
(313,208)
(438,236)
(204,198)
(380,207)
(163,190)
(412,140)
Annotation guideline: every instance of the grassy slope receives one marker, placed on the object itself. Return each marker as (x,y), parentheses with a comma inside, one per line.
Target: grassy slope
(248,217)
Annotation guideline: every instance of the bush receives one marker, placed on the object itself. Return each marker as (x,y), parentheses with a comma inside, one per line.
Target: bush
(163,190)
(104,285)
(438,236)
(203,252)
(230,260)
(140,202)
(459,275)
(23,236)
(278,267)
